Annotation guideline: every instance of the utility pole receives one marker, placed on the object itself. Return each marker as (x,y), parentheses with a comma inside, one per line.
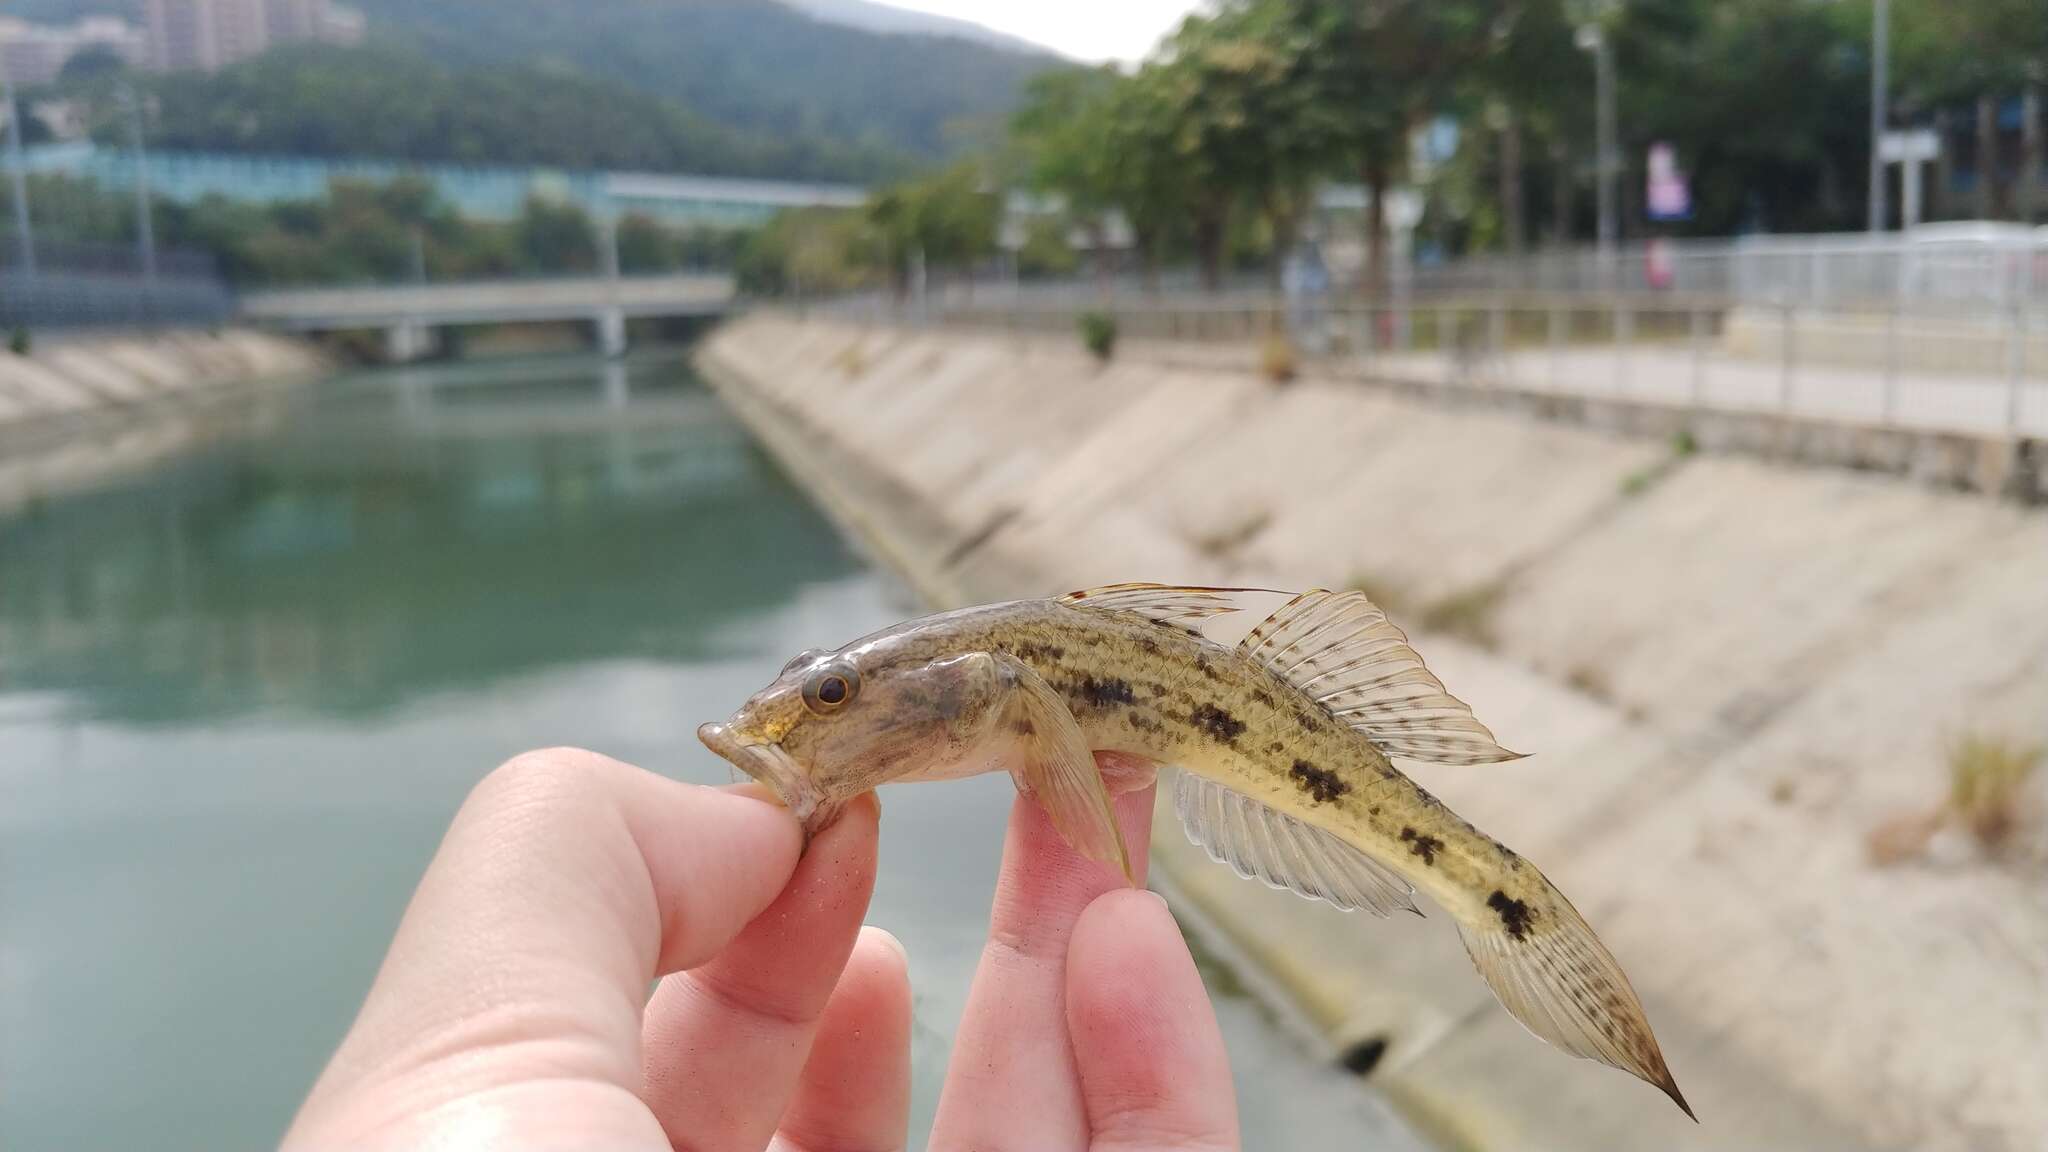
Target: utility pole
(1880,51)
(25,236)
(145,224)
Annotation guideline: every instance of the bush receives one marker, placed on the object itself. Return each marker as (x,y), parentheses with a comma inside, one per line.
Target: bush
(1098,334)
(17,342)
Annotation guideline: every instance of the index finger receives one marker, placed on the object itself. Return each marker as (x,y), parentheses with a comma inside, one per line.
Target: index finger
(1011,1083)
(567,882)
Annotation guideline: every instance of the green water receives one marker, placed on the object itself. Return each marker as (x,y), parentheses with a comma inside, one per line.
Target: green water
(241,694)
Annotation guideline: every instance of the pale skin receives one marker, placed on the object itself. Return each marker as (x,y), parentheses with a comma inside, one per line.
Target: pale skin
(512,1010)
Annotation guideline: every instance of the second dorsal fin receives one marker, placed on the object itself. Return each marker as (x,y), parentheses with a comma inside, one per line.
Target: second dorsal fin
(1343,651)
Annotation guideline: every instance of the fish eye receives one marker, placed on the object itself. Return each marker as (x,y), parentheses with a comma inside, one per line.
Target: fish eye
(831,688)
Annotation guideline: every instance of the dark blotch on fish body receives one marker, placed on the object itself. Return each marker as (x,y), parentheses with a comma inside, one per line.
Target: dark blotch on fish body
(1107,693)
(1321,784)
(1217,722)
(1514,915)
(1423,846)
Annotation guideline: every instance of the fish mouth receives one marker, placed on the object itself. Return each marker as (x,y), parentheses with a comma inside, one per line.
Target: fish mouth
(769,765)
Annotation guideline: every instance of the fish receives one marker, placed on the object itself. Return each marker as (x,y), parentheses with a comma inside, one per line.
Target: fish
(1284,742)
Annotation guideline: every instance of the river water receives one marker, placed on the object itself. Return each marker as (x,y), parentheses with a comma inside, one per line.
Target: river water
(242,693)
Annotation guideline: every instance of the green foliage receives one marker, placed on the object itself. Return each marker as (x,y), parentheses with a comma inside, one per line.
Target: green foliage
(18,342)
(948,220)
(1098,334)
(810,252)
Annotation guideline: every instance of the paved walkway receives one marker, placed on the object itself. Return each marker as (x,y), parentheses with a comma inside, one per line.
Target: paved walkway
(1956,402)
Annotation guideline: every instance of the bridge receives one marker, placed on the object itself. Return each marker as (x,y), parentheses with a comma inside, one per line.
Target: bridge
(409,314)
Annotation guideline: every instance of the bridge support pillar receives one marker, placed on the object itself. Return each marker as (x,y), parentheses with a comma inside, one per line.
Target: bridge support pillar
(408,341)
(611,332)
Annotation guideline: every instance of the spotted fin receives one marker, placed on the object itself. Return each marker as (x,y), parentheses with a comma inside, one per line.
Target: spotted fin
(1056,766)
(1260,843)
(1340,649)
(1179,607)
(1551,973)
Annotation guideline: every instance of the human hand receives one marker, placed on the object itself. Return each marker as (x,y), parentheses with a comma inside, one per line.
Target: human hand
(511,1010)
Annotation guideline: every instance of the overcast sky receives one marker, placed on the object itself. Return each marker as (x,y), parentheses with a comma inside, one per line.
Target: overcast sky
(1084,29)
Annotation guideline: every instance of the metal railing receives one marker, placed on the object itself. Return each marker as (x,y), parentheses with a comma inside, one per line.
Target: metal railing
(1958,369)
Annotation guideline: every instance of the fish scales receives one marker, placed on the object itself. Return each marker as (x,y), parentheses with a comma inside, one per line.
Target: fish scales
(1283,741)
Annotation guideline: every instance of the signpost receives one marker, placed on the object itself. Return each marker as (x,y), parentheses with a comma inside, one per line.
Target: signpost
(1909,150)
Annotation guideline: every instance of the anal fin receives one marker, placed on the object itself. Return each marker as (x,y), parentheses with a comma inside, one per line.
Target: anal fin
(1261,843)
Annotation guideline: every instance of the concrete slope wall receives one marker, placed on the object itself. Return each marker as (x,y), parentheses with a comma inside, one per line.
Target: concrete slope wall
(1731,673)
(76,410)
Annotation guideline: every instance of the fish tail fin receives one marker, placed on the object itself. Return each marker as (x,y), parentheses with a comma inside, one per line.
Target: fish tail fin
(1542,960)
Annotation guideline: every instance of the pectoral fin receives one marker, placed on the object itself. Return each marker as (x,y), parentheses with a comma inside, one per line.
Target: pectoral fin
(1056,765)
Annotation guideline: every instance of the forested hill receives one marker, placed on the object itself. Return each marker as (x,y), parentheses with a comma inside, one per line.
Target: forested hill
(750,63)
(381,100)
(730,86)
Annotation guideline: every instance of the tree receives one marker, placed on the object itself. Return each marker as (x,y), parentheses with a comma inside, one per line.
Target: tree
(1249,126)
(1386,64)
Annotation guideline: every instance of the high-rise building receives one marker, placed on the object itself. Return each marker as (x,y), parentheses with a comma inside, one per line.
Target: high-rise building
(35,53)
(210,34)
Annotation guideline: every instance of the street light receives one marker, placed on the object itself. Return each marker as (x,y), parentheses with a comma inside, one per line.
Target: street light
(1880,45)
(1593,38)
(145,227)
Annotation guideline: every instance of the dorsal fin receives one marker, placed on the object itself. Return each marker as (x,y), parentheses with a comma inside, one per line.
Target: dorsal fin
(1176,606)
(1343,651)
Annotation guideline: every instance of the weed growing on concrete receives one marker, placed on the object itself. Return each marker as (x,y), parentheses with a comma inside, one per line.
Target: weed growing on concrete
(1391,598)
(1276,358)
(1683,444)
(1468,615)
(18,342)
(1225,540)
(852,360)
(1987,785)
(1098,334)
(1987,780)
(1590,681)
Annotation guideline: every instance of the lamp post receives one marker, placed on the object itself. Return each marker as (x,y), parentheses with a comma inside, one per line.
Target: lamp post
(1593,38)
(1880,50)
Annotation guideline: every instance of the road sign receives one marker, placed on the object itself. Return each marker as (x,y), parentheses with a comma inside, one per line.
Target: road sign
(1915,147)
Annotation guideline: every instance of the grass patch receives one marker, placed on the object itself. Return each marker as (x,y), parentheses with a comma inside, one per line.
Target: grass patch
(1468,615)
(1683,444)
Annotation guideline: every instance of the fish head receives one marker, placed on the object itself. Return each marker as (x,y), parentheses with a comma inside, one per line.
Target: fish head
(836,724)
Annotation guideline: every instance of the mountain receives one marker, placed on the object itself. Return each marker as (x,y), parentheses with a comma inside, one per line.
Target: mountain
(888,18)
(758,68)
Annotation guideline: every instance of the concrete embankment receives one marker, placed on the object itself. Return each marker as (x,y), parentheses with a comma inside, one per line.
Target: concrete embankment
(1730,671)
(78,409)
